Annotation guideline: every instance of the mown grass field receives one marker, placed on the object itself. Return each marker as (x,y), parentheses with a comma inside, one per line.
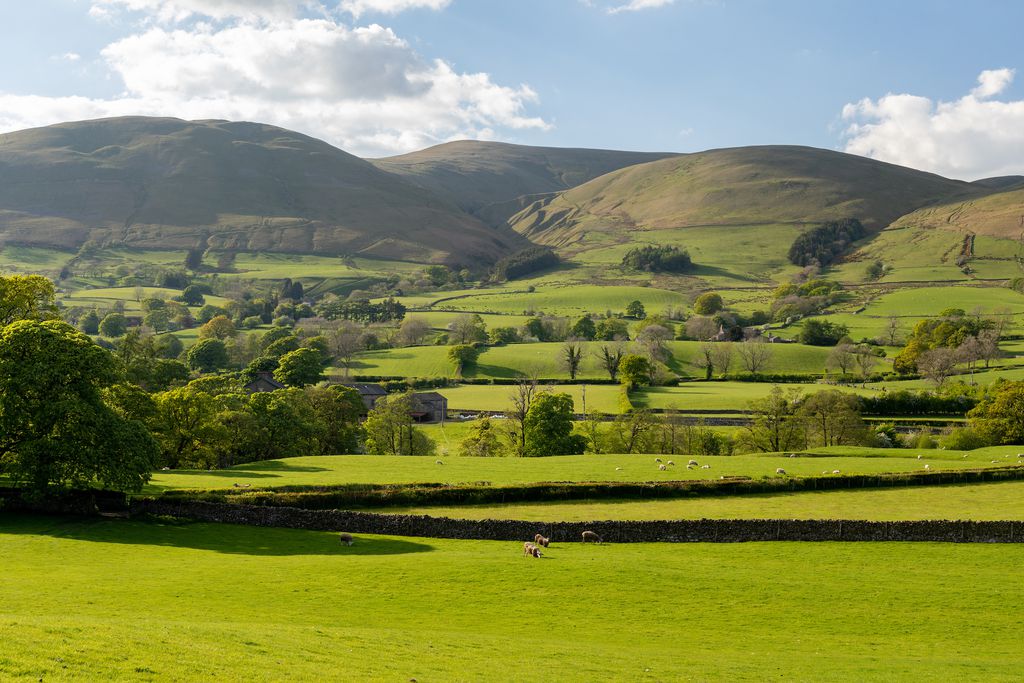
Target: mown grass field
(603,398)
(120,600)
(996,501)
(385,469)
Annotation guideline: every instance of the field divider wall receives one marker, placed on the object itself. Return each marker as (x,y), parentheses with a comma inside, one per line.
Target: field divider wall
(669,531)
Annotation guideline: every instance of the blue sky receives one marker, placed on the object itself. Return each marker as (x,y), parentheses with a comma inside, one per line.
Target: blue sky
(385,76)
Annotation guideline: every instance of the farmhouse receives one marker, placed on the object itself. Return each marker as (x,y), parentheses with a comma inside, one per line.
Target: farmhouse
(264,382)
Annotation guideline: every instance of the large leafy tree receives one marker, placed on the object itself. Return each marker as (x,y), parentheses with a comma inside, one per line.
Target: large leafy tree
(548,427)
(55,428)
(337,410)
(208,355)
(300,367)
(999,418)
(187,428)
(26,297)
(390,430)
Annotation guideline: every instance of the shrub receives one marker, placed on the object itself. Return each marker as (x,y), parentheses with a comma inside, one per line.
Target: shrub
(653,259)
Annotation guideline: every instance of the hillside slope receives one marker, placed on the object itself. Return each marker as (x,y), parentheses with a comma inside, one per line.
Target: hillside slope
(1000,214)
(168,183)
(486,178)
(738,186)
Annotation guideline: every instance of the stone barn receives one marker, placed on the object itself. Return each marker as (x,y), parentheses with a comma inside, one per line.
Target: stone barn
(370,393)
(264,382)
(429,406)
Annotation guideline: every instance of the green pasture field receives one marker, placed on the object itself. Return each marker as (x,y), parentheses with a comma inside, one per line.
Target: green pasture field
(543,360)
(104,297)
(439,319)
(922,302)
(158,600)
(567,300)
(603,398)
(995,502)
(17,259)
(399,469)
(722,395)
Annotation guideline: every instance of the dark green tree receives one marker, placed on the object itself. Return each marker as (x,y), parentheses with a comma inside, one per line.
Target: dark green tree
(584,329)
(548,427)
(113,325)
(300,367)
(208,355)
(55,428)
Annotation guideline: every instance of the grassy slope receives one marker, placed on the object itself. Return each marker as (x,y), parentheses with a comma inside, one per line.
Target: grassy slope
(1000,501)
(476,175)
(740,186)
(106,600)
(383,469)
(996,215)
(249,186)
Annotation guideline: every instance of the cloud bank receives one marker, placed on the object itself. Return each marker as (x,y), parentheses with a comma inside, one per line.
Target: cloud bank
(362,88)
(976,136)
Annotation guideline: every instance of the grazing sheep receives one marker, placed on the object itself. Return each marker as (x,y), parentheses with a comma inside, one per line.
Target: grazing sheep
(662,468)
(439,462)
(618,469)
(691,467)
(345,538)
(541,541)
(705,467)
(825,472)
(657,460)
(927,467)
(671,463)
(779,470)
(531,550)
(835,471)
(919,457)
(995,462)
(692,462)
(591,537)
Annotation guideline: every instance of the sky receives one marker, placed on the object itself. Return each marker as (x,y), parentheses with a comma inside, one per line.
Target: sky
(930,84)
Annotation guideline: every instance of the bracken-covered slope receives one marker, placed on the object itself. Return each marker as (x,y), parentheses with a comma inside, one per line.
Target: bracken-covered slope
(168,183)
(488,178)
(738,186)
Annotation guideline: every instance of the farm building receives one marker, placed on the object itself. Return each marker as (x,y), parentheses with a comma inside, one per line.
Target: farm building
(264,382)
(429,406)
(370,393)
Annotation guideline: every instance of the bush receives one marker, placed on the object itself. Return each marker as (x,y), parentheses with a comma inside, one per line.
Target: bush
(708,303)
(822,333)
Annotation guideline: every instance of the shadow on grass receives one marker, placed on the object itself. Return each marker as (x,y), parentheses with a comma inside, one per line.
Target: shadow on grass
(267,469)
(231,539)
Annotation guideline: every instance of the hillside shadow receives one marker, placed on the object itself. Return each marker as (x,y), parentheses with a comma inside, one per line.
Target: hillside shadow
(702,270)
(267,469)
(230,539)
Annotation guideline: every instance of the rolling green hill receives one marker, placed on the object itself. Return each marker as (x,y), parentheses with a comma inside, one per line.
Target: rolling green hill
(740,186)
(167,183)
(489,178)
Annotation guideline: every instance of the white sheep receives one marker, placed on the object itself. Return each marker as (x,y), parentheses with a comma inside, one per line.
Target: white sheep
(345,538)
(531,550)
(662,468)
(692,462)
(779,470)
(705,467)
(671,463)
(927,467)
(835,471)
(439,462)
(657,460)
(618,469)
(919,457)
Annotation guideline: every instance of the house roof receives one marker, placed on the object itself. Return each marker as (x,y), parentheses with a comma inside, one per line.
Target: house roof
(430,396)
(264,382)
(366,389)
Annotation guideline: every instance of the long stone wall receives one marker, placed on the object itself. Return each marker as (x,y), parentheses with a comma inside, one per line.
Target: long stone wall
(678,531)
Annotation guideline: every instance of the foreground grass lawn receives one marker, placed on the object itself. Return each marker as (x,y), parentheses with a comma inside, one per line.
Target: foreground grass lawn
(999,501)
(103,600)
(385,469)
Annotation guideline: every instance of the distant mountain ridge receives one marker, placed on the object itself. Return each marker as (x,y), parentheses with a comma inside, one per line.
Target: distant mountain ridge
(165,183)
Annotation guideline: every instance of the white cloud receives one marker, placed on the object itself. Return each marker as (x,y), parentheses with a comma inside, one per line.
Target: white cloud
(637,5)
(68,57)
(363,89)
(972,137)
(179,10)
(360,7)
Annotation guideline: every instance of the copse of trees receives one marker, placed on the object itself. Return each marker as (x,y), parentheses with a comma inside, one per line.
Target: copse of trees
(824,244)
(524,262)
(822,332)
(363,311)
(658,259)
